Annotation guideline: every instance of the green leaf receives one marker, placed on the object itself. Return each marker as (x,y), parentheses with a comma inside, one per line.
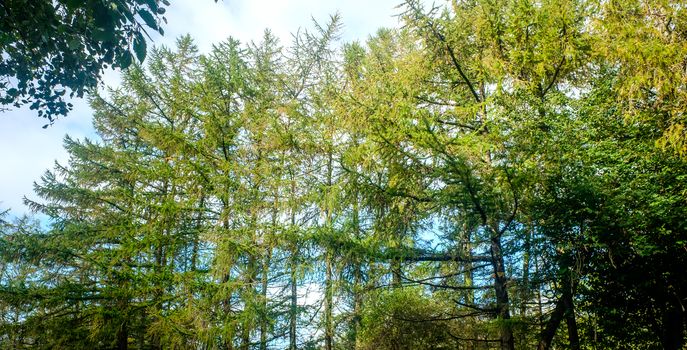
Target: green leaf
(73,4)
(100,34)
(74,43)
(140,47)
(126,60)
(148,18)
(152,4)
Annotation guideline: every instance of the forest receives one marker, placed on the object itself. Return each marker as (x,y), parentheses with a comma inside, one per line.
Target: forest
(488,175)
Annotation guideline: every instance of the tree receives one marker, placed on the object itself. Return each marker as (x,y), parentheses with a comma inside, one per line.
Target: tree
(472,180)
(51,49)
(452,121)
(638,232)
(119,265)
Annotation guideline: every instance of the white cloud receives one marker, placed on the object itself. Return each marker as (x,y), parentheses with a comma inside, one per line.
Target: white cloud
(246,20)
(27,150)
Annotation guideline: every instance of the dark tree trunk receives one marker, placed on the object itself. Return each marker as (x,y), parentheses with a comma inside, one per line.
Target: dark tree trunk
(573,336)
(123,336)
(673,322)
(552,326)
(525,291)
(468,266)
(293,310)
(565,309)
(250,290)
(396,273)
(357,305)
(500,288)
(328,307)
(263,300)
(328,283)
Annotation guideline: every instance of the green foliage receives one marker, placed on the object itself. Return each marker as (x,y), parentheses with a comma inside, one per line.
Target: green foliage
(53,48)
(486,177)
(407,319)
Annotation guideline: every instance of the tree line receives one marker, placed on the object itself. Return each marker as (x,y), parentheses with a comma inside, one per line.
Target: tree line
(491,175)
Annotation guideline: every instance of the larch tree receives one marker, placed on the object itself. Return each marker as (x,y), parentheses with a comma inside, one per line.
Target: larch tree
(492,175)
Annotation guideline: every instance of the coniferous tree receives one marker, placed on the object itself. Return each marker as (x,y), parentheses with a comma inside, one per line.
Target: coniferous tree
(486,177)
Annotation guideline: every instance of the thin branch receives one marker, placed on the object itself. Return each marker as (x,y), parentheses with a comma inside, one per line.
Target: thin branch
(554,78)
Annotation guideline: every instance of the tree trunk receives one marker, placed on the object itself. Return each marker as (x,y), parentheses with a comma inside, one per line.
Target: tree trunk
(123,336)
(328,292)
(267,260)
(552,326)
(525,288)
(196,238)
(396,273)
(293,310)
(328,324)
(468,266)
(263,299)
(226,303)
(500,288)
(249,294)
(468,278)
(357,272)
(573,336)
(565,309)
(673,325)
(540,308)
(357,305)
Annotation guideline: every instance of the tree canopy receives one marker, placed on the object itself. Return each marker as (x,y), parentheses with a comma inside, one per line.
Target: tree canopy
(52,49)
(492,175)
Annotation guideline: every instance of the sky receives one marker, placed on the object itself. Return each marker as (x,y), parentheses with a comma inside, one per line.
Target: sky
(27,150)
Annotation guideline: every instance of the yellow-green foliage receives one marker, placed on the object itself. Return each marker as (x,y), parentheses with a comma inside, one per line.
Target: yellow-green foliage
(406,319)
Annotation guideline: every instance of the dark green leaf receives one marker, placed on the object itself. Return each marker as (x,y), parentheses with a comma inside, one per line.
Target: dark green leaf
(73,43)
(126,60)
(152,4)
(140,47)
(148,18)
